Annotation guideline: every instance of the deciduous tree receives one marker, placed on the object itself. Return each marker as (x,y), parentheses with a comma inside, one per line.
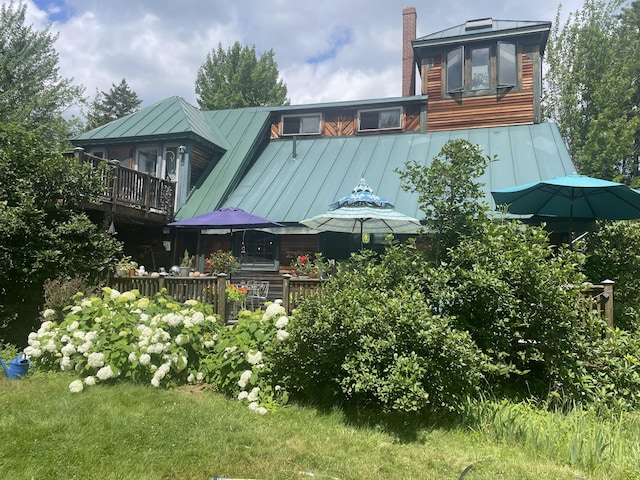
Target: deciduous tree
(237,78)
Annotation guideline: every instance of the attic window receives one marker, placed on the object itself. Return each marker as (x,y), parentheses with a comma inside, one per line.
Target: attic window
(478,23)
(301,124)
(379,119)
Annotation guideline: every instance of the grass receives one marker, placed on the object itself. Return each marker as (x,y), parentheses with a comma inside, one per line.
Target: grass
(137,432)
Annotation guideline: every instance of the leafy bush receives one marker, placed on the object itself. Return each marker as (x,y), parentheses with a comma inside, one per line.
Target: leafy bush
(518,299)
(372,339)
(60,292)
(613,253)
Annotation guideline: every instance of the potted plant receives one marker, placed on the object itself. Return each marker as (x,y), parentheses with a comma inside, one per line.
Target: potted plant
(221,261)
(304,267)
(185,263)
(126,267)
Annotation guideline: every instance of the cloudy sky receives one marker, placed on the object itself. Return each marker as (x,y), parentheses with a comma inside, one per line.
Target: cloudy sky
(328,50)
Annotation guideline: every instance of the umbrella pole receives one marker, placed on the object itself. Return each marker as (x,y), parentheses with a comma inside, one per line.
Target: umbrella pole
(361,240)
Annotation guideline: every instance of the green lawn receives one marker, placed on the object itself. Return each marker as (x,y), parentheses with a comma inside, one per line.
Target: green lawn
(138,432)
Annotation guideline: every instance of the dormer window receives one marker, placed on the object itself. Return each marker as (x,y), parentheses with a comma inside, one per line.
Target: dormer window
(301,124)
(379,119)
(477,70)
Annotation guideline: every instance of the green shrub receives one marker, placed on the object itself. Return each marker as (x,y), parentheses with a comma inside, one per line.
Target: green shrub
(60,292)
(371,339)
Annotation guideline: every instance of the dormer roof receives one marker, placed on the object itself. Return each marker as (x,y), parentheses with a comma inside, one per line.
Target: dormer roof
(483,29)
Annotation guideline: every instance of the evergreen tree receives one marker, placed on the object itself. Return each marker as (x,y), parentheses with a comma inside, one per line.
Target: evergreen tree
(236,78)
(593,91)
(118,102)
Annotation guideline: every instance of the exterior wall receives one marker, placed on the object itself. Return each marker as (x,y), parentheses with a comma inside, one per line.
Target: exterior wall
(336,123)
(508,107)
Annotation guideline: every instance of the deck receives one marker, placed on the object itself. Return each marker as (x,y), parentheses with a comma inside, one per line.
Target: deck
(131,193)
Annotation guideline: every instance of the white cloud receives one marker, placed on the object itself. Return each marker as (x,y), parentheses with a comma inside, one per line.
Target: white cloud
(158,45)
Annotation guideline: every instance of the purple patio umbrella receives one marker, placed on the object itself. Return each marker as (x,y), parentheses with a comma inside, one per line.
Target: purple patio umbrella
(227,217)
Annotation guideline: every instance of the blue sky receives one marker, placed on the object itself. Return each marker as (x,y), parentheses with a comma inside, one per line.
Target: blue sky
(326,51)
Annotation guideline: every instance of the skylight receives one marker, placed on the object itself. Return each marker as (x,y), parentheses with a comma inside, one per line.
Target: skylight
(478,23)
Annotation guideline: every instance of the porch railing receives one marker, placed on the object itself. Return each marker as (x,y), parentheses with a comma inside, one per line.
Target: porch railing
(127,187)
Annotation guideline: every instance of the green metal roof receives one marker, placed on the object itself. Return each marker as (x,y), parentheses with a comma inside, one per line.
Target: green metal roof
(494,29)
(170,117)
(244,129)
(288,189)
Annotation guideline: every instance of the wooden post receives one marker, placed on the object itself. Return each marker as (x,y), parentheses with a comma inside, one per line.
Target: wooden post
(608,305)
(285,292)
(222,302)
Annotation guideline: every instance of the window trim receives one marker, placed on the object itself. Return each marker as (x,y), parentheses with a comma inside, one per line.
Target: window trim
(301,116)
(399,109)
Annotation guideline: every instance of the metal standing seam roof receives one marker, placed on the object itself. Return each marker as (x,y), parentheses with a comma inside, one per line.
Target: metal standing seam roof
(173,116)
(287,189)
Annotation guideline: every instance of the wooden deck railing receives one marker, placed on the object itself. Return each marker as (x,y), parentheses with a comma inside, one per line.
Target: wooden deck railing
(131,188)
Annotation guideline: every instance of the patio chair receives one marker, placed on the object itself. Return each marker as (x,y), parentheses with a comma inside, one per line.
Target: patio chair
(257,293)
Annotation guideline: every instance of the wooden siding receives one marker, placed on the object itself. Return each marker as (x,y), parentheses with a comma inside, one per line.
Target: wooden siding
(447,112)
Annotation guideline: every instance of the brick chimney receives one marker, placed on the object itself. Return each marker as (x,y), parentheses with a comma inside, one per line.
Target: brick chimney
(408,65)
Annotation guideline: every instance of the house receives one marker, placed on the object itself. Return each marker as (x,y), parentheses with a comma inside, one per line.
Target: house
(480,81)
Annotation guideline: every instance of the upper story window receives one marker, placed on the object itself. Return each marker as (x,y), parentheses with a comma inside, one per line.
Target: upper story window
(301,124)
(379,119)
(148,160)
(477,69)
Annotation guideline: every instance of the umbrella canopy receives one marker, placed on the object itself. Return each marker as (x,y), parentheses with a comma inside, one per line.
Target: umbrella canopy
(363,211)
(573,197)
(228,217)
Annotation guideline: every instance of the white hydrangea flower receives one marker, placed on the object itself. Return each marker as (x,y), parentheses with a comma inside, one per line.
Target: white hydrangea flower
(182,339)
(90,380)
(33,337)
(243,395)
(197,318)
(32,351)
(200,376)
(65,339)
(85,347)
(79,334)
(105,373)
(145,359)
(144,317)
(261,410)
(65,364)
(50,346)
(127,297)
(155,382)
(49,312)
(114,294)
(273,310)
(188,323)
(253,406)
(282,322)
(282,335)
(191,378)
(132,357)
(90,336)
(254,358)
(76,309)
(76,386)
(191,303)
(209,343)
(85,303)
(73,326)
(244,378)
(95,359)
(253,395)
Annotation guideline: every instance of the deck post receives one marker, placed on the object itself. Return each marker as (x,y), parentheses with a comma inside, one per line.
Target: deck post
(285,292)
(608,305)
(222,302)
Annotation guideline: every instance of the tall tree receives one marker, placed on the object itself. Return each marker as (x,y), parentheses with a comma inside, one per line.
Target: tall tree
(236,78)
(118,102)
(449,193)
(593,90)
(32,94)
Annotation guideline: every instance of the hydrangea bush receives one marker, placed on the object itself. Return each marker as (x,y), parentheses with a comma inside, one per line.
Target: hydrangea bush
(162,342)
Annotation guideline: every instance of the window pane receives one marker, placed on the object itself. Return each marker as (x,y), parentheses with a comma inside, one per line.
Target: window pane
(390,118)
(507,72)
(311,124)
(170,156)
(369,120)
(147,161)
(480,79)
(290,125)
(454,70)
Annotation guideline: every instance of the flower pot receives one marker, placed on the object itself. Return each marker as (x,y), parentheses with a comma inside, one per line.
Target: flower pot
(184,271)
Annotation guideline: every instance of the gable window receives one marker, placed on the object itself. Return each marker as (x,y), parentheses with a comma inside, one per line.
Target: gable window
(301,124)
(454,70)
(507,69)
(380,119)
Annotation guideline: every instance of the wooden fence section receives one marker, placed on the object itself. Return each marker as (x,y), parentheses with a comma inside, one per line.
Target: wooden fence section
(600,298)
(130,188)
